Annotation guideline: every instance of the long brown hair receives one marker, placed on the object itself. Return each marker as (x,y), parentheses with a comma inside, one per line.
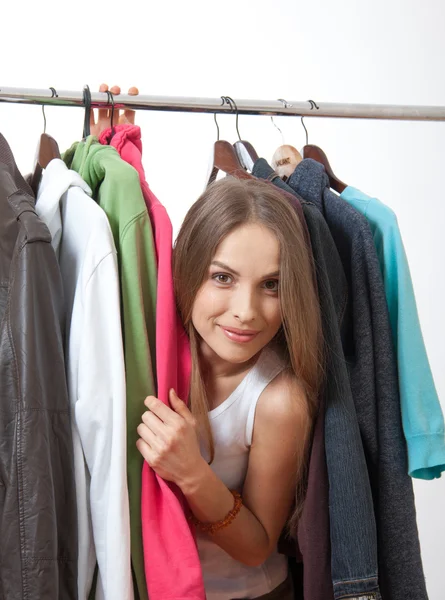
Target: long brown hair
(225,205)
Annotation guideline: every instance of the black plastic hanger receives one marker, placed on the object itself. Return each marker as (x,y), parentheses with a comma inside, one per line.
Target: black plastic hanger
(87,117)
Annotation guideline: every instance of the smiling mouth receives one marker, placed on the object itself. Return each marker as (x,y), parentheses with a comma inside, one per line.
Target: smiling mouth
(238,335)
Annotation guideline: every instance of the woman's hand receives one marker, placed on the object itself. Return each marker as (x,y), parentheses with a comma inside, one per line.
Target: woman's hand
(104,114)
(169,440)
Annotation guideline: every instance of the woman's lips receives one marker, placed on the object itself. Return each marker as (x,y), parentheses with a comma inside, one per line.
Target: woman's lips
(239,336)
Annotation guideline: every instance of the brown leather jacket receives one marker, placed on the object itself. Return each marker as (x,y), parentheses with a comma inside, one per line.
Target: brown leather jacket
(38,526)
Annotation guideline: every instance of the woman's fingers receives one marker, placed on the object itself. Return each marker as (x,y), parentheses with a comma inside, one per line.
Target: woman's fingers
(104,114)
(145,450)
(153,422)
(129,115)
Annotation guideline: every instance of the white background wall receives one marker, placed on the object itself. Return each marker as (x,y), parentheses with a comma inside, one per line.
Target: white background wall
(384,51)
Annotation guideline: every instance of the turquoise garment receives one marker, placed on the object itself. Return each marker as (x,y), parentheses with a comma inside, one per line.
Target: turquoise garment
(422,417)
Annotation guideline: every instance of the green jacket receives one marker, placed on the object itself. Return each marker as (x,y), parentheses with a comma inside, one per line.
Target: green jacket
(116,188)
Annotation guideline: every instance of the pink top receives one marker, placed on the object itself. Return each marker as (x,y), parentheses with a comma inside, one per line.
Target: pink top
(172,566)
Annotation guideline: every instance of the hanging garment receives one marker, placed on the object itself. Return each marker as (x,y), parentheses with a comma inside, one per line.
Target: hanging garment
(232,424)
(352,561)
(115,186)
(84,246)
(313,537)
(422,417)
(369,352)
(38,525)
(166,533)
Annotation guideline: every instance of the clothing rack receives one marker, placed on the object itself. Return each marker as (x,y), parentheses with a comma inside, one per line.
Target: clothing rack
(222,105)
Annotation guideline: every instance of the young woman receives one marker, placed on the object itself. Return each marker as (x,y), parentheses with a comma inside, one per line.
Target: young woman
(245,291)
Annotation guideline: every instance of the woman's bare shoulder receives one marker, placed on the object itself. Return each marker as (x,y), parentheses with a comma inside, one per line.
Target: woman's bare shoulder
(283,403)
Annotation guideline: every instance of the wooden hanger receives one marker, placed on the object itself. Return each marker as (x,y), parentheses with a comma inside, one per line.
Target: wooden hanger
(246,153)
(284,161)
(226,159)
(47,150)
(316,153)
(285,157)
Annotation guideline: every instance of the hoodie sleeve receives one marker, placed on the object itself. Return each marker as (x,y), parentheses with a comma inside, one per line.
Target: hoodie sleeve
(422,417)
(101,419)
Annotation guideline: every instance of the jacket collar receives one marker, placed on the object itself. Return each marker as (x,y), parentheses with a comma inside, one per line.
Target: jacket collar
(309,180)
(263,170)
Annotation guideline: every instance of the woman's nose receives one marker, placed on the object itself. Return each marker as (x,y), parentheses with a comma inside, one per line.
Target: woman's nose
(243,306)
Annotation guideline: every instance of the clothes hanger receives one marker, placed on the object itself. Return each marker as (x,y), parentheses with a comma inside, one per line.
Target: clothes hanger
(47,150)
(225,157)
(247,155)
(286,157)
(113,131)
(316,153)
(87,117)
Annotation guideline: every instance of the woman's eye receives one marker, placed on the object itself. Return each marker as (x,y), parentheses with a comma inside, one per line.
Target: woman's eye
(271,285)
(222,278)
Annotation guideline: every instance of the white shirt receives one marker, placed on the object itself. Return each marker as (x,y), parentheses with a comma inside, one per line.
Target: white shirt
(232,424)
(82,240)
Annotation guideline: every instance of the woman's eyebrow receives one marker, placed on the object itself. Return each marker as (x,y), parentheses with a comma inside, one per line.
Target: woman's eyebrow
(225,267)
(217,263)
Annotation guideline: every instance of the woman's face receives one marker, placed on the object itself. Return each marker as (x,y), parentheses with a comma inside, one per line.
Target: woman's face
(237,309)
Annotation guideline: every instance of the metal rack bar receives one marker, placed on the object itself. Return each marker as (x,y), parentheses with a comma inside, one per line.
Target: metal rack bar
(216,105)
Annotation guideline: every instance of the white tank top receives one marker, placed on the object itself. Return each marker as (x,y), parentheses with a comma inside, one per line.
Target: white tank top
(232,426)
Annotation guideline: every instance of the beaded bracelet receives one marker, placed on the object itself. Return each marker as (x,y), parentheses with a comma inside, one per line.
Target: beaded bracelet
(212,528)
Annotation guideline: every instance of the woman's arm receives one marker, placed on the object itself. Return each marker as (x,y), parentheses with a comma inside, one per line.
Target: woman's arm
(281,431)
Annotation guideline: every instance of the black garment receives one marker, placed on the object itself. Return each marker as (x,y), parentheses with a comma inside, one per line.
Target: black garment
(348,499)
(373,372)
(38,525)
(351,516)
